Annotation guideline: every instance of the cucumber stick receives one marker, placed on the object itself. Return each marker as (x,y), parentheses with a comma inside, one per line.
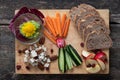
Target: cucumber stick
(68,57)
(74,55)
(73,63)
(75,52)
(61,60)
(68,60)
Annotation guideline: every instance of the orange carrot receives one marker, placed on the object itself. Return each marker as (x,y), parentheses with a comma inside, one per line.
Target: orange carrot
(55,26)
(59,23)
(50,37)
(50,27)
(63,20)
(67,23)
(49,19)
(46,26)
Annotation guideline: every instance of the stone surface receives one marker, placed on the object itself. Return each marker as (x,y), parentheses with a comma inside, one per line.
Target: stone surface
(7,53)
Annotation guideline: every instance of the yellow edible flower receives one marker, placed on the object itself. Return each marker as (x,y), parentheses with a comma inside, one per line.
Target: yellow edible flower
(28,29)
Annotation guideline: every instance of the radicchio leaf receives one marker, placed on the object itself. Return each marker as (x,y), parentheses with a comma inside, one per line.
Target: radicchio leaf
(21,11)
(38,13)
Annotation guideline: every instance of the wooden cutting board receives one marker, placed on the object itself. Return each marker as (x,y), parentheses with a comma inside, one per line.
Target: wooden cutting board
(72,38)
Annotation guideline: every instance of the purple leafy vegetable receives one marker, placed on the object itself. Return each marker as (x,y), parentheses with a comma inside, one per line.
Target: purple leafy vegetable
(36,12)
(21,11)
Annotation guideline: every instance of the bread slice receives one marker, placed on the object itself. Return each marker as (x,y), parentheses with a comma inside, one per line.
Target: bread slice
(84,15)
(74,12)
(98,40)
(91,27)
(81,12)
(89,20)
(98,27)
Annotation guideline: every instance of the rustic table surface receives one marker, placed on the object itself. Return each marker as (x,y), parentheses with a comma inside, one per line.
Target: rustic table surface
(7,40)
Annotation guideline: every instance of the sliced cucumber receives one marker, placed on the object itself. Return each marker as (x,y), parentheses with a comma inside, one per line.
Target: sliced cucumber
(66,67)
(68,60)
(74,55)
(61,60)
(73,58)
(68,57)
(73,63)
(75,52)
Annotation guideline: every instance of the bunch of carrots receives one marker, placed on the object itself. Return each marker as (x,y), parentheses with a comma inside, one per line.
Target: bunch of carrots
(56,27)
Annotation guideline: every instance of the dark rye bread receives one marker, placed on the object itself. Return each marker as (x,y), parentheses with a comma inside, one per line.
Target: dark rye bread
(73,12)
(89,23)
(89,20)
(98,27)
(81,12)
(84,15)
(76,12)
(96,40)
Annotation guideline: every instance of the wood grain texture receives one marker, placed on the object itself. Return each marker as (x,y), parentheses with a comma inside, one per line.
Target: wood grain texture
(72,38)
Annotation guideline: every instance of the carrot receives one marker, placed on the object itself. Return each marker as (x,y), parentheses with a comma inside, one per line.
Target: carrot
(67,23)
(49,19)
(55,26)
(46,26)
(49,27)
(63,20)
(50,37)
(52,25)
(58,23)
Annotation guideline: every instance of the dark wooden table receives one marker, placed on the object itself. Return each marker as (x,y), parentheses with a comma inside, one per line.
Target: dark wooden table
(7,40)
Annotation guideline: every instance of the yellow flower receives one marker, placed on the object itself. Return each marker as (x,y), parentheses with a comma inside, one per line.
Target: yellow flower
(28,29)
